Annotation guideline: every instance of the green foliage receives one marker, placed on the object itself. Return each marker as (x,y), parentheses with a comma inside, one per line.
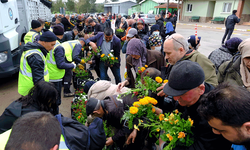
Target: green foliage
(56,5)
(70,4)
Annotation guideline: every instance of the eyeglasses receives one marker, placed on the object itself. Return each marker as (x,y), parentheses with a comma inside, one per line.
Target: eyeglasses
(171,37)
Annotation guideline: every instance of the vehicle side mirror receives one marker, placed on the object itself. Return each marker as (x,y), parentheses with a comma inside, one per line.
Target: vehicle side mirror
(4,1)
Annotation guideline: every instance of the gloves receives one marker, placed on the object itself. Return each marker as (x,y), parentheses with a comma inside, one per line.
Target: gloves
(81,67)
(82,61)
(73,63)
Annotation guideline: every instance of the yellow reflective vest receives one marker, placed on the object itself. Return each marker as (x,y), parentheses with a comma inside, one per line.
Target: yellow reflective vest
(4,137)
(30,36)
(54,72)
(25,79)
(68,47)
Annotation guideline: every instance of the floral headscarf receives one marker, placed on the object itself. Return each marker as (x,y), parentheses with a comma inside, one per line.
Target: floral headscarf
(136,47)
(140,20)
(154,40)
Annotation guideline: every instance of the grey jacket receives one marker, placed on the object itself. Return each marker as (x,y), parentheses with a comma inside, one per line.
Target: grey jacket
(231,21)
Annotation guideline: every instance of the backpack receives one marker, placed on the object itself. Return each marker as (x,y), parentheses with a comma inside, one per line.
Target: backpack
(79,137)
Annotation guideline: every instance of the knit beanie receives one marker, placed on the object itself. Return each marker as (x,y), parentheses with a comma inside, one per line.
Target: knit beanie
(58,30)
(154,28)
(35,24)
(232,44)
(48,36)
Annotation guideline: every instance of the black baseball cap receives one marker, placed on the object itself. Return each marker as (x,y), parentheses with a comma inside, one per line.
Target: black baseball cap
(92,105)
(184,76)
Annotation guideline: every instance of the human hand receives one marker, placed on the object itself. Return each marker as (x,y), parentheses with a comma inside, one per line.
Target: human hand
(121,85)
(80,66)
(73,63)
(131,137)
(161,93)
(109,141)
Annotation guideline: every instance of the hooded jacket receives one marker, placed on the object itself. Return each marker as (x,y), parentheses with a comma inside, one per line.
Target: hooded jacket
(143,32)
(13,112)
(103,88)
(231,21)
(35,61)
(207,66)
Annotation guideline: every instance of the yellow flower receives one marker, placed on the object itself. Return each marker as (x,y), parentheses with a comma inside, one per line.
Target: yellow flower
(143,69)
(158,130)
(112,58)
(170,137)
(146,66)
(108,54)
(82,49)
(161,117)
(80,113)
(181,135)
(141,120)
(166,119)
(191,121)
(79,117)
(125,75)
(165,81)
(158,79)
(143,101)
(151,100)
(102,55)
(133,110)
(116,58)
(136,127)
(176,111)
(176,121)
(136,104)
(153,109)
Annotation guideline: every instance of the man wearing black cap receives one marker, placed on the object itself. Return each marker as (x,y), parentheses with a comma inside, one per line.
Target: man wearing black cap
(34,33)
(56,63)
(73,50)
(186,85)
(70,35)
(33,65)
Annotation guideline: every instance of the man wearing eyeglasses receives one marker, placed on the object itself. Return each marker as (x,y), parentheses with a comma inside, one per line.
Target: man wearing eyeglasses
(176,49)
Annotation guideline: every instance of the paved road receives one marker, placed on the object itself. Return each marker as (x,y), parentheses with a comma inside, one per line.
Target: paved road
(211,39)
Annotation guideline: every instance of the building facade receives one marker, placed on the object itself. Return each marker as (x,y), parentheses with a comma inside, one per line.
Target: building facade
(118,7)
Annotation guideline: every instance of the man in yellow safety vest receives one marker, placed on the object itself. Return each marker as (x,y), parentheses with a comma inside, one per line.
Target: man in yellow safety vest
(33,65)
(34,33)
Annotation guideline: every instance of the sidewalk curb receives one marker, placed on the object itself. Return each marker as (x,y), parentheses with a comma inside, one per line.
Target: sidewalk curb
(244,30)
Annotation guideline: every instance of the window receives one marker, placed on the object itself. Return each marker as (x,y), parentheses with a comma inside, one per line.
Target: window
(189,7)
(227,7)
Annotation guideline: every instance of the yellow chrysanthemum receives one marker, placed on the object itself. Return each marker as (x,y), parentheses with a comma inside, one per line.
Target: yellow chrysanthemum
(170,137)
(151,100)
(158,79)
(158,130)
(176,111)
(112,58)
(153,109)
(143,69)
(161,117)
(133,110)
(146,66)
(136,104)
(176,121)
(102,55)
(165,81)
(143,101)
(191,121)
(181,135)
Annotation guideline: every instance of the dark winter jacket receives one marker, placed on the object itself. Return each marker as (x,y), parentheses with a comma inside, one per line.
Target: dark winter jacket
(231,21)
(117,22)
(204,138)
(67,25)
(59,54)
(154,59)
(219,56)
(35,61)
(160,23)
(169,19)
(97,28)
(107,24)
(13,112)
(102,25)
(142,32)
(76,53)
(115,45)
(124,26)
(68,36)
(88,29)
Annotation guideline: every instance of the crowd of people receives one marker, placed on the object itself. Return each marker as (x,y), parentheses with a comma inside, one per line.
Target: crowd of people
(213,90)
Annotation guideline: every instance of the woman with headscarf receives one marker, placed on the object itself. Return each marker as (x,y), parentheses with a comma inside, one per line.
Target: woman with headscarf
(141,27)
(129,22)
(169,29)
(236,70)
(139,56)
(225,52)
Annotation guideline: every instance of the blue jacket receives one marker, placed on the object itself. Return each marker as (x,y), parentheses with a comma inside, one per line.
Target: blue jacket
(115,45)
(59,54)
(231,21)
(76,53)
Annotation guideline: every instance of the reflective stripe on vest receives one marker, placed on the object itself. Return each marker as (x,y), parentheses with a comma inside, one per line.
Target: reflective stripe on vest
(30,36)
(25,79)
(62,145)
(68,47)
(55,74)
